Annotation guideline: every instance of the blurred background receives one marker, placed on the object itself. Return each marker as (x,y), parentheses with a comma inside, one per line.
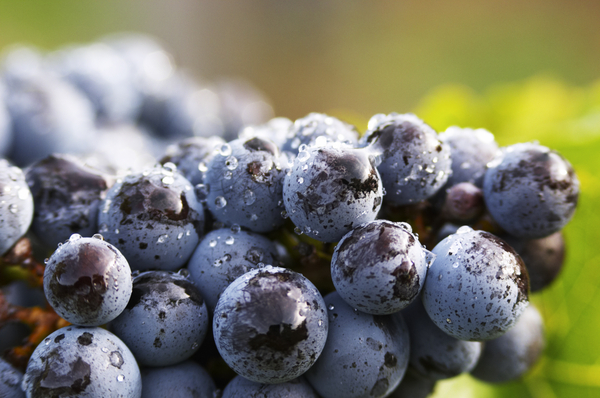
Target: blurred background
(525,70)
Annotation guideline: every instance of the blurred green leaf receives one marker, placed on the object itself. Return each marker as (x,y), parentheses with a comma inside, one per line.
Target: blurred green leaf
(567,119)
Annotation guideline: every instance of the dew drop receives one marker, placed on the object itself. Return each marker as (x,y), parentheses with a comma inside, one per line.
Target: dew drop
(249,197)
(231,163)
(300,180)
(331,307)
(13,208)
(170,167)
(298,231)
(162,238)
(320,322)
(220,202)
(98,236)
(104,349)
(227,175)
(179,235)
(303,156)
(448,320)
(202,167)
(74,237)
(229,240)
(225,150)
(253,217)
(464,229)
(212,243)
(235,228)
(120,378)
(168,180)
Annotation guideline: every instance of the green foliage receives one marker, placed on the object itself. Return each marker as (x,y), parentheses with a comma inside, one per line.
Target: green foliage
(567,119)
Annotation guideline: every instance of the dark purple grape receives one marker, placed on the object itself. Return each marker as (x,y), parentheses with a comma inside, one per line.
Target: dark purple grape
(544,258)
(87,281)
(66,195)
(531,191)
(270,325)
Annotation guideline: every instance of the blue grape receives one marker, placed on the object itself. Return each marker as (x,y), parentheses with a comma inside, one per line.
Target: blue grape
(513,354)
(165,321)
(379,267)
(322,127)
(87,281)
(330,190)
(470,151)
(463,202)
(192,155)
(544,258)
(103,76)
(153,218)
(270,325)
(48,116)
(121,149)
(82,362)
(275,130)
(531,191)
(434,354)
(10,381)
(66,195)
(177,107)
(415,164)
(240,104)
(185,379)
(225,254)
(245,181)
(243,388)
(477,286)
(16,205)
(413,386)
(365,355)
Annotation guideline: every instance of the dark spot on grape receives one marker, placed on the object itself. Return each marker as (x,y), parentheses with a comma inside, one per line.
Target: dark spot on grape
(51,382)
(58,338)
(157,343)
(259,144)
(390,360)
(280,337)
(143,245)
(85,339)
(380,388)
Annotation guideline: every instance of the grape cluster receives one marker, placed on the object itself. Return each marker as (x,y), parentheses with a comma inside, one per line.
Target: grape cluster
(229,253)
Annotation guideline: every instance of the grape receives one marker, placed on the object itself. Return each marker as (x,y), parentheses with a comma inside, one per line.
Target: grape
(365,355)
(165,320)
(477,286)
(463,202)
(275,130)
(87,281)
(16,205)
(270,325)
(434,354)
(10,381)
(82,362)
(223,256)
(379,267)
(66,196)
(121,149)
(176,106)
(415,164)
(413,386)
(153,218)
(330,190)
(243,388)
(511,355)
(543,258)
(319,128)
(471,150)
(240,104)
(185,379)
(531,191)
(48,116)
(244,184)
(192,155)
(103,76)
